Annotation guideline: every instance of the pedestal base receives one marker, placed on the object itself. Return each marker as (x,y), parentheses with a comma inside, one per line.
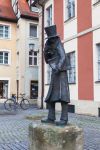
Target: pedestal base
(51,137)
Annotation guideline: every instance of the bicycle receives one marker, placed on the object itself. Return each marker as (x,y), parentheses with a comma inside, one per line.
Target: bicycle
(12,103)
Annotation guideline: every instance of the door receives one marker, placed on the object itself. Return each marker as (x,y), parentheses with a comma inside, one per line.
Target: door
(34,90)
(1,89)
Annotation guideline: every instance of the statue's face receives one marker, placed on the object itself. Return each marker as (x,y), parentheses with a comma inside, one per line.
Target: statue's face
(52,42)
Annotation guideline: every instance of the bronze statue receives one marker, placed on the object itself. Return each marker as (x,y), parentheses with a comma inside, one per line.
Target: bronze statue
(59,89)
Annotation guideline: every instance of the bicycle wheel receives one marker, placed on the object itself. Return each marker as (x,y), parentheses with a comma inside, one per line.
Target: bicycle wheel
(9,105)
(25,104)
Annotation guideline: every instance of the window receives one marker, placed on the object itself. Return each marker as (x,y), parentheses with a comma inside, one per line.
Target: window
(49,16)
(49,23)
(98,45)
(71,71)
(49,71)
(4,31)
(34,90)
(32,56)
(4,57)
(33,30)
(34,9)
(69,9)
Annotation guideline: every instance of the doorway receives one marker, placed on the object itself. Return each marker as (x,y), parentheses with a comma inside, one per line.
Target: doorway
(34,89)
(3,89)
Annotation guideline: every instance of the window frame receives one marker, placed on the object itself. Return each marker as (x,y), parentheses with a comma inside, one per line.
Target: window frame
(69,6)
(9,57)
(49,15)
(49,10)
(71,68)
(9,31)
(33,56)
(31,24)
(98,61)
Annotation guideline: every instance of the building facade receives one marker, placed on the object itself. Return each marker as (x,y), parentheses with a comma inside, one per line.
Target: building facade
(8,22)
(78,26)
(18,48)
(27,48)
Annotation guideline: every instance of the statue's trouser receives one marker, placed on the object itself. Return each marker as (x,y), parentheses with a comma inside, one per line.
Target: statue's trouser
(64,111)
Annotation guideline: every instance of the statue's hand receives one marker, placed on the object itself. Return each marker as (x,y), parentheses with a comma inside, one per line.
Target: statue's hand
(55,69)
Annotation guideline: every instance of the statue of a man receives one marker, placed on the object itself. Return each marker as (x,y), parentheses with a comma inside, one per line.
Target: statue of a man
(59,89)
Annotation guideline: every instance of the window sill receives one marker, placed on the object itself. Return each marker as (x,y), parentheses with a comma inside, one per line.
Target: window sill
(72,83)
(47,84)
(5,65)
(33,65)
(5,38)
(69,19)
(97,81)
(33,37)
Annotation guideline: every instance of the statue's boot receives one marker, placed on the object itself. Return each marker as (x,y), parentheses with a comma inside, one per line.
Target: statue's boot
(61,123)
(64,115)
(51,114)
(48,121)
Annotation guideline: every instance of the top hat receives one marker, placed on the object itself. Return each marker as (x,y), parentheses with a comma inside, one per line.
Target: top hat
(51,31)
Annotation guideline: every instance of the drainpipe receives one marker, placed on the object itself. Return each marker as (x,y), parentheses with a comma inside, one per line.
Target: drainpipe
(42,56)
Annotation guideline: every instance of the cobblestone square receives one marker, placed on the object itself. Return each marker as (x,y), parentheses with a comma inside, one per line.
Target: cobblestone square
(14,129)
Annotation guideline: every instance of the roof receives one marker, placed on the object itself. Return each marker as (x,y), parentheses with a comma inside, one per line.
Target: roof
(25,10)
(6,11)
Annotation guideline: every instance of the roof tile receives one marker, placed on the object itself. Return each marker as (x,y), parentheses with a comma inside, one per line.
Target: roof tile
(6,10)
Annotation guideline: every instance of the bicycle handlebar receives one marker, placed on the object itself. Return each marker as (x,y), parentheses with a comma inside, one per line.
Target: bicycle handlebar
(13,94)
(22,94)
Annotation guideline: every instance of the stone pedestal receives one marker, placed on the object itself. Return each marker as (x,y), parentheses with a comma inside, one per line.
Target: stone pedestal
(51,137)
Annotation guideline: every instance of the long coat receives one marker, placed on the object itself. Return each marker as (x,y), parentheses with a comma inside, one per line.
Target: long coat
(59,88)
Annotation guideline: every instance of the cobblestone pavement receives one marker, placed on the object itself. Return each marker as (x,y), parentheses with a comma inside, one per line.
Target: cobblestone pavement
(14,130)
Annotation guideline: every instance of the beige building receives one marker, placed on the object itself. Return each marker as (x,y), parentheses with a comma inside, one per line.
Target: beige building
(7,50)
(18,48)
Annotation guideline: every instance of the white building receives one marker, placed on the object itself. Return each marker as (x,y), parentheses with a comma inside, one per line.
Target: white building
(78,25)
(27,48)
